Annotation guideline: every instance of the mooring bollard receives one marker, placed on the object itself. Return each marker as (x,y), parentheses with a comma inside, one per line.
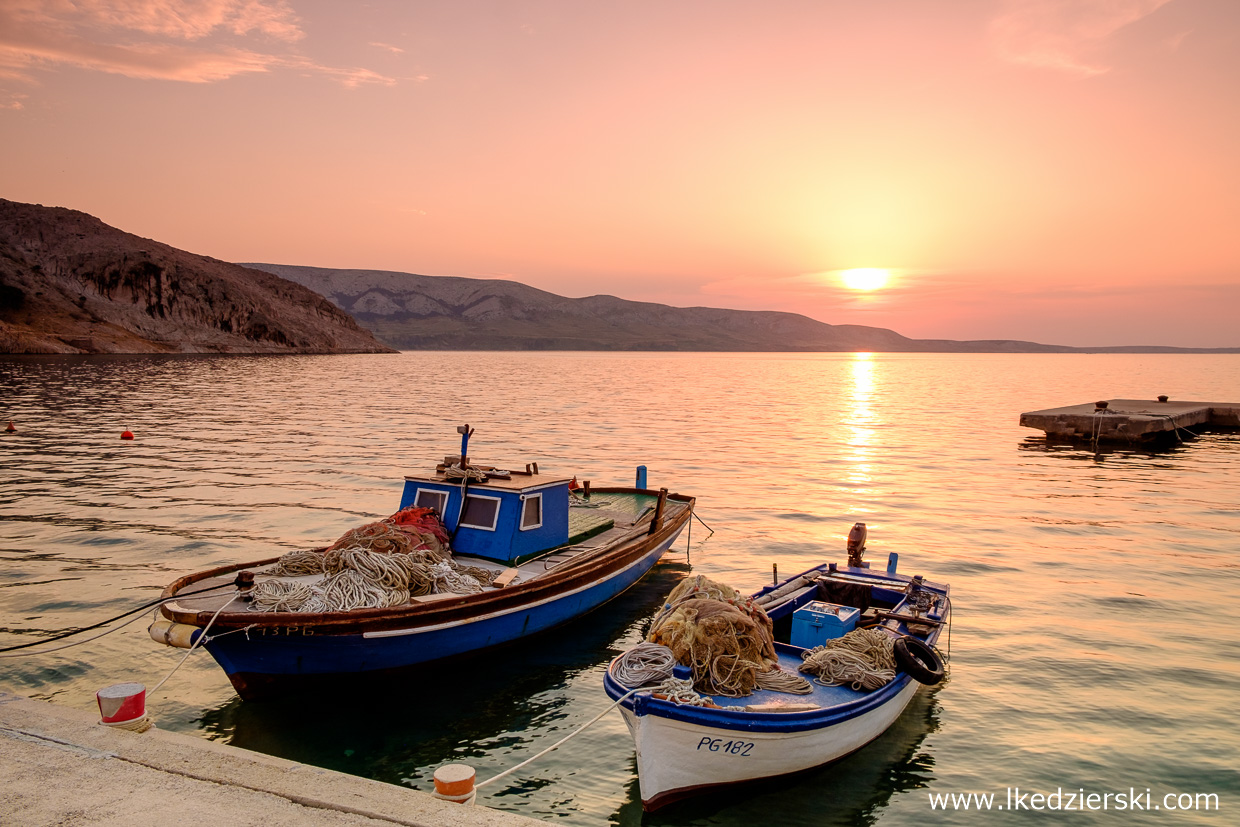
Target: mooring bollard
(123,706)
(455,782)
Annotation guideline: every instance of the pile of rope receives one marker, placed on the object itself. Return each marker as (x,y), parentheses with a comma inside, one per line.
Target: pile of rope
(456,472)
(725,638)
(643,664)
(861,659)
(373,566)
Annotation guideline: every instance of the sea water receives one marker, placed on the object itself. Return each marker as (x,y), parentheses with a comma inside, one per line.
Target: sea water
(1095,643)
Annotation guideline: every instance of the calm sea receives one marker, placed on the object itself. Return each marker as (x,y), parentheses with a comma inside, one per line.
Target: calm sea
(1096,638)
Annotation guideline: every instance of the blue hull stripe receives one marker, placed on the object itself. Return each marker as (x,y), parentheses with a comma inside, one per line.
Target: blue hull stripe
(328,654)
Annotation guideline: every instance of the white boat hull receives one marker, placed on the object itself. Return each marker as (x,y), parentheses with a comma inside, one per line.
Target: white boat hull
(676,758)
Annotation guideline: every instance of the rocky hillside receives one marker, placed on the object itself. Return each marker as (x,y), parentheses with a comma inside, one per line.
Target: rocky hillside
(71,284)
(449,313)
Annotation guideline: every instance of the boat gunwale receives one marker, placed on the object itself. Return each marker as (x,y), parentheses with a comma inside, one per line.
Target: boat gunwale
(459,608)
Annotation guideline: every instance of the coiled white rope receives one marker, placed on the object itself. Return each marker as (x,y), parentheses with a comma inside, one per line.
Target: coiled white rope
(862,659)
(681,691)
(455,472)
(777,680)
(449,580)
(644,663)
(138,725)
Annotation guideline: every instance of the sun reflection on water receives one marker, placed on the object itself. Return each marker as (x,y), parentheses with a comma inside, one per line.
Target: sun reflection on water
(861,420)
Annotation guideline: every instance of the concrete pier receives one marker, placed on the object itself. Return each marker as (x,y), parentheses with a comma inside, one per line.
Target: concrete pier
(61,766)
(1131,420)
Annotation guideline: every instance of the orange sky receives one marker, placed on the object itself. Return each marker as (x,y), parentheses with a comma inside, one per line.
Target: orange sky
(1062,171)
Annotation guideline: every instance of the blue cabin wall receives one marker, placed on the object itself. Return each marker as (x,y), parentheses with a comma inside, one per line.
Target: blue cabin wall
(507,542)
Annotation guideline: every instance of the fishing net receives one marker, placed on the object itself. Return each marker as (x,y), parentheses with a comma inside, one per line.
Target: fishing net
(424,523)
(723,637)
(376,565)
(382,537)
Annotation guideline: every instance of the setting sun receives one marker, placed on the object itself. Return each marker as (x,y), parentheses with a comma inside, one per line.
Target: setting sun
(864,278)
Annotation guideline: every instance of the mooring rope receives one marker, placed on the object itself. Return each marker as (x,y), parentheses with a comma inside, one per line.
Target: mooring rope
(694,515)
(72,632)
(297,563)
(74,643)
(572,734)
(201,639)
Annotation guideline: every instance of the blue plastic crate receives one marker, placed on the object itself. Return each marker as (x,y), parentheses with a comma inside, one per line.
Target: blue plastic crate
(815,623)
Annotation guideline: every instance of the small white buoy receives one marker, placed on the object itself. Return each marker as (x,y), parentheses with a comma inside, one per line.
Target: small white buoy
(455,782)
(121,703)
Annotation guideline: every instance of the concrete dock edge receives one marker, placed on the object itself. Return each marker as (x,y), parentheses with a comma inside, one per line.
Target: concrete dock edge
(61,766)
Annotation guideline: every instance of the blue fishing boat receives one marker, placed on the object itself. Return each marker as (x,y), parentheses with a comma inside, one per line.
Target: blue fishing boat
(475,557)
(689,742)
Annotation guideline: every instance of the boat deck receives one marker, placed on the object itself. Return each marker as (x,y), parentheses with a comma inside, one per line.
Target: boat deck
(604,519)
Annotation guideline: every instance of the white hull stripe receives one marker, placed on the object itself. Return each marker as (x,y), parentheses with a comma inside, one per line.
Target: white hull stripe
(524,607)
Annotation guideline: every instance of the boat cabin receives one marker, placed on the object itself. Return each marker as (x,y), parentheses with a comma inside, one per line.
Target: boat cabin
(508,516)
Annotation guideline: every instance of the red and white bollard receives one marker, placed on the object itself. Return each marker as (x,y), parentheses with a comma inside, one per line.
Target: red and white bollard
(122,704)
(455,782)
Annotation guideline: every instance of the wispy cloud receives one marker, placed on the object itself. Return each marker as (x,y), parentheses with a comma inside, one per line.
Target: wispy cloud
(1063,35)
(193,41)
(396,50)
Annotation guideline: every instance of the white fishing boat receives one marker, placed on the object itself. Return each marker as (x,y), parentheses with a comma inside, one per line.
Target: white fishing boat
(688,742)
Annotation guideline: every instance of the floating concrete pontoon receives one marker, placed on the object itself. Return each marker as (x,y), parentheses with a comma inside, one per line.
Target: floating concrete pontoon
(1132,420)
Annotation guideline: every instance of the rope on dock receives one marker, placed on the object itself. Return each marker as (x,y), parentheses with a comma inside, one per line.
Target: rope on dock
(563,740)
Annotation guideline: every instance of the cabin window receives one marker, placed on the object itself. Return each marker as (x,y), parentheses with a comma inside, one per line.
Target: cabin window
(480,512)
(428,498)
(531,512)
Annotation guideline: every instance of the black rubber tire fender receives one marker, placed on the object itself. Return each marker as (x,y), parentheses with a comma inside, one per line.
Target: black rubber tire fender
(918,659)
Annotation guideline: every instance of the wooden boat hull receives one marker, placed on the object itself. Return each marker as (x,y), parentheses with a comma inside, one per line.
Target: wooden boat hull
(271,652)
(677,759)
(274,657)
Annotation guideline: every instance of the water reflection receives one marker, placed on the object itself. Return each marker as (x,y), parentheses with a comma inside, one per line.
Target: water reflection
(861,422)
(1075,449)
(1063,570)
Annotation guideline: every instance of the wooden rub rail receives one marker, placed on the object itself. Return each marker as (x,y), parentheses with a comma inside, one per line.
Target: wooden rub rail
(1132,420)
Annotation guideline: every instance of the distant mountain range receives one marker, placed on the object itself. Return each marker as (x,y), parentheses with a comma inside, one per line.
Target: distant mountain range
(71,284)
(415,312)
